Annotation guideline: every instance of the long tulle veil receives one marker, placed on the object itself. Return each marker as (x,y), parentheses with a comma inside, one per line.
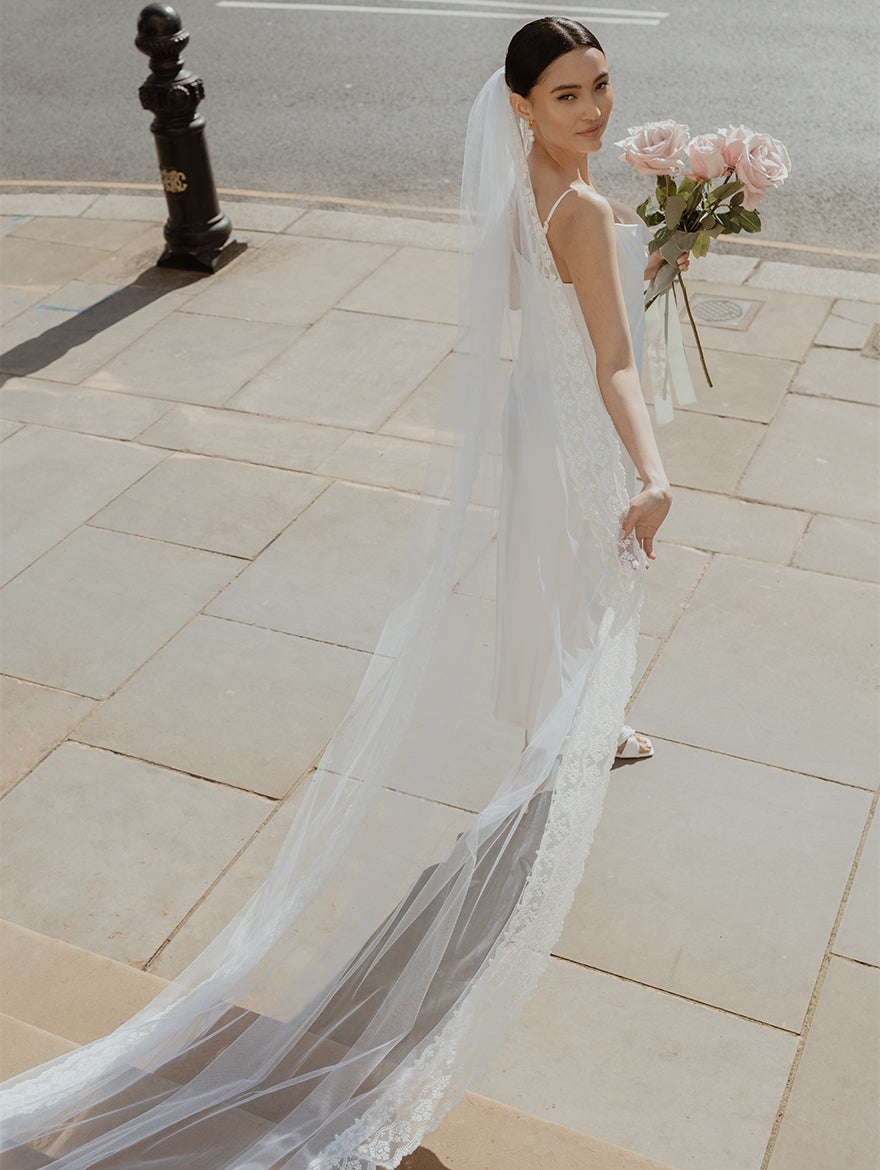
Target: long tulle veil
(422,884)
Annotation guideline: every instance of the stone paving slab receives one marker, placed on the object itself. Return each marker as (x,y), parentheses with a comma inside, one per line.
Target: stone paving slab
(626,1064)
(381,460)
(831,1117)
(35,720)
(671,578)
(53,481)
(846,548)
(349,370)
(417,417)
(378,229)
(785,671)
(233,703)
(152,208)
(45,263)
(414,283)
(214,504)
(822,282)
(840,373)
(93,609)
(22,1046)
(859,934)
(333,574)
(45,203)
(748,866)
(289,281)
(720,523)
(92,856)
(15,300)
(75,408)
(79,994)
(706,452)
(261,217)
(160,364)
(84,233)
(821,455)
(743,386)
(233,434)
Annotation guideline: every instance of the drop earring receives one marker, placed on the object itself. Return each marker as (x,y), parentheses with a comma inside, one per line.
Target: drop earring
(530,131)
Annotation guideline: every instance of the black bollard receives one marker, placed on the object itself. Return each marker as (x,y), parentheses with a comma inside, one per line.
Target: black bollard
(197,232)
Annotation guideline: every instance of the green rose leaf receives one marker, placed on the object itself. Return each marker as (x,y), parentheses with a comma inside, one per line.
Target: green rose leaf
(642,209)
(675,206)
(701,245)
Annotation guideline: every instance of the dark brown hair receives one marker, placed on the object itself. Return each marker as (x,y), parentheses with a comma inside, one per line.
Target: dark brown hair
(538,44)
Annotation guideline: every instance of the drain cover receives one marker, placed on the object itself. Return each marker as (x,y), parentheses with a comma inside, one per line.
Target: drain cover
(724,312)
(710,309)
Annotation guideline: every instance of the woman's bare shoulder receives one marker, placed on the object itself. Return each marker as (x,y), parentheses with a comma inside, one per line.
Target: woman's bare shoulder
(584,212)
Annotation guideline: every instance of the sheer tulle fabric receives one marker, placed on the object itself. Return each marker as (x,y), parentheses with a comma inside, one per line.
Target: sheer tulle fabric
(414,902)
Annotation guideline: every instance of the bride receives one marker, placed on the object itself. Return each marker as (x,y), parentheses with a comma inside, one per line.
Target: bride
(431,861)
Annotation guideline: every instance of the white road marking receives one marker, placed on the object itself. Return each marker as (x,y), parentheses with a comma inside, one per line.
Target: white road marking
(595,15)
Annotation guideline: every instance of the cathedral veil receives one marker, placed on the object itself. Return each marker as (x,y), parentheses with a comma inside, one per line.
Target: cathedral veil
(414,902)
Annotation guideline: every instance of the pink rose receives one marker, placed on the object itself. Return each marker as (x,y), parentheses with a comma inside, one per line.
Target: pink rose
(655,148)
(733,143)
(763,163)
(706,156)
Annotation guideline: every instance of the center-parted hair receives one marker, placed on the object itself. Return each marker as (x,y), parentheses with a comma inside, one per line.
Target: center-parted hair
(538,44)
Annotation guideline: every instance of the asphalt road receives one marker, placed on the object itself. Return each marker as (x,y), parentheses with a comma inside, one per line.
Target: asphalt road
(326,99)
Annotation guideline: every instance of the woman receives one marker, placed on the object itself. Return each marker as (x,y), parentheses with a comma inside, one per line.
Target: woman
(561,90)
(430,864)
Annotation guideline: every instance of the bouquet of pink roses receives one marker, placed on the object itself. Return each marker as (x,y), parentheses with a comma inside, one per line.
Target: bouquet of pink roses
(725,176)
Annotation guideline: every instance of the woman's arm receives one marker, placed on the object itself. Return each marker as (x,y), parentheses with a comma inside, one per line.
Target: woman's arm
(583,237)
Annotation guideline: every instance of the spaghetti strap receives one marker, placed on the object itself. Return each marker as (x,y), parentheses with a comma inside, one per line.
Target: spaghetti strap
(555,205)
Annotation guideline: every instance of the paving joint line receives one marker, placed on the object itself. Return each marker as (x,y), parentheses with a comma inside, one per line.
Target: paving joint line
(714,1007)
(817,987)
(272,814)
(664,640)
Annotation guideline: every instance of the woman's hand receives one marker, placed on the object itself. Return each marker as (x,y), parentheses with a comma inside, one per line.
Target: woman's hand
(647,511)
(656,262)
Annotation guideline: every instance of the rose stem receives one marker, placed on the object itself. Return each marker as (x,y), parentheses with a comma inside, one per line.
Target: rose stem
(687,305)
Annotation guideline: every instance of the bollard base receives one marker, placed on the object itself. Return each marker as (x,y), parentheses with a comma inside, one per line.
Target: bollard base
(210,260)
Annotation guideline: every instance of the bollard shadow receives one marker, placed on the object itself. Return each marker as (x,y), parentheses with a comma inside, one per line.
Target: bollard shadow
(79,327)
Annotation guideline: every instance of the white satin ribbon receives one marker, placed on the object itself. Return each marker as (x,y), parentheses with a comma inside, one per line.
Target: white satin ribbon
(665,368)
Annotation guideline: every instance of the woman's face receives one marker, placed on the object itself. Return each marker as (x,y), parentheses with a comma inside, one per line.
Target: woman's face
(570,103)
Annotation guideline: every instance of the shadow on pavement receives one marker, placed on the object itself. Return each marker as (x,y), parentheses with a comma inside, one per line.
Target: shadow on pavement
(36,353)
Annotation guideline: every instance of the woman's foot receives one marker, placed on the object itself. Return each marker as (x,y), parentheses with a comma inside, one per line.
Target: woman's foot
(632,745)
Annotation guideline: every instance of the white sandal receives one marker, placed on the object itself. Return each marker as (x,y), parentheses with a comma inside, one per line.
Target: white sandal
(630,745)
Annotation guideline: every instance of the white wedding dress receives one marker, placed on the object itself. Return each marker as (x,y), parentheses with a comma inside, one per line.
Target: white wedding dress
(407,918)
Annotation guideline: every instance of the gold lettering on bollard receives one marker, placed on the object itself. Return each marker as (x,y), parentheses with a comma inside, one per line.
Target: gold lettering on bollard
(173,181)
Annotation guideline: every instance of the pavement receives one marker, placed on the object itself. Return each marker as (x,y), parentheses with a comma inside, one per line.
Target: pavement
(207,485)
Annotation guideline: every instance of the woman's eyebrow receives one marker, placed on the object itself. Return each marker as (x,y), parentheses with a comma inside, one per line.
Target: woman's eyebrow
(599,77)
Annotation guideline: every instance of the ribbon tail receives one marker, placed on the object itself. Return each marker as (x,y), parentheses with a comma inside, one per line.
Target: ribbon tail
(656,378)
(677,362)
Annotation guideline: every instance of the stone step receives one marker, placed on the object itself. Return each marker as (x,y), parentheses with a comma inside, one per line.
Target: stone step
(55,996)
